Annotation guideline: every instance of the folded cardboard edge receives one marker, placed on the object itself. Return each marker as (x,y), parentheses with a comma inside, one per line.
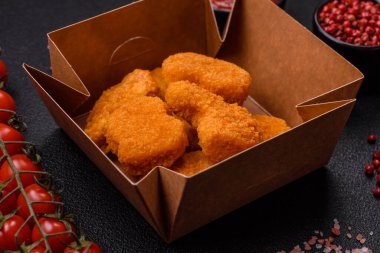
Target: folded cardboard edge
(311,111)
(62,69)
(60,91)
(347,91)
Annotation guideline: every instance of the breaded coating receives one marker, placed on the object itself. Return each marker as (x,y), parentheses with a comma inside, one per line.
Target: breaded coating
(160,82)
(269,126)
(191,163)
(223,129)
(143,135)
(220,77)
(192,135)
(138,82)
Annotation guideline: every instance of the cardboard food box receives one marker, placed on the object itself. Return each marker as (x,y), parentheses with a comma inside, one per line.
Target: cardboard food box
(296,77)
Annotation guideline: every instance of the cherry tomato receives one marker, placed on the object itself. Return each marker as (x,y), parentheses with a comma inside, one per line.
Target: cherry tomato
(3,72)
(51,226)
(22,163)
(38,249)
(36,193)
(9,204)
(6,102)
(85,247)
(8,133)
(8,231)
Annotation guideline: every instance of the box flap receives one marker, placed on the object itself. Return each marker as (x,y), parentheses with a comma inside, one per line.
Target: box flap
(60,92)
(139,35)
(344,92)
(310,111)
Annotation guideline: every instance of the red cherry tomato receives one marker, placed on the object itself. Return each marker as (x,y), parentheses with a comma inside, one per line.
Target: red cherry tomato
(9,204)
(3,72)
(22,163)
(51,226)
(8,231)
(38,249)
(36,193)
(85,247)
(6,102)
(8,133)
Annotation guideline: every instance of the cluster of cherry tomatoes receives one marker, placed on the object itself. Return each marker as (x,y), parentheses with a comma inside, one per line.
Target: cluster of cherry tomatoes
(31,212)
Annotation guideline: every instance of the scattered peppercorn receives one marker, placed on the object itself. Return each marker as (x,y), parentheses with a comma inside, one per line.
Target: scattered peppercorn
(376,163)
(369,169)
(372,137)
(376,155)
(378,178)
(376,192)
(352,21)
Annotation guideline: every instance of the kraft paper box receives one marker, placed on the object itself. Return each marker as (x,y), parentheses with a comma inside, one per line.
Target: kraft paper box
(295,77)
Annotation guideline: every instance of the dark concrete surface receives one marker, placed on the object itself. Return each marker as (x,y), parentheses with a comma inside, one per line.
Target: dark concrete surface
(280,220)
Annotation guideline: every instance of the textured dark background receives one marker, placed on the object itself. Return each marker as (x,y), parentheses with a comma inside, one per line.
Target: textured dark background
(277,221)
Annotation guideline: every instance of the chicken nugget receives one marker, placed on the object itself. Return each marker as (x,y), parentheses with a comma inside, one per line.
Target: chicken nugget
(191,163)
(269,126)
(143,135)
(223,129)
(160,82)
(136,83)
(192,135)
(188,101)
(140,82)
(220,77)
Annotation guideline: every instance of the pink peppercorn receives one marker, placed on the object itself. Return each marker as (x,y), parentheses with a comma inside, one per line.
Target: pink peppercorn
(371,138)
(352,21)
(376,155)
(369,169)
(376,192)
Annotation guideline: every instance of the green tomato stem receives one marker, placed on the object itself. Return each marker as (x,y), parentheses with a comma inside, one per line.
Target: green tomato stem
(23,193)
(8,111)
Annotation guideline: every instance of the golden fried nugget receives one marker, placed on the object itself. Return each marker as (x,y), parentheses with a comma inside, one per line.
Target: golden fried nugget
(269,126)
(191,163)
(138,82)
(160,82)
(223,129)
(192,135)
(143,135)
(220,77)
